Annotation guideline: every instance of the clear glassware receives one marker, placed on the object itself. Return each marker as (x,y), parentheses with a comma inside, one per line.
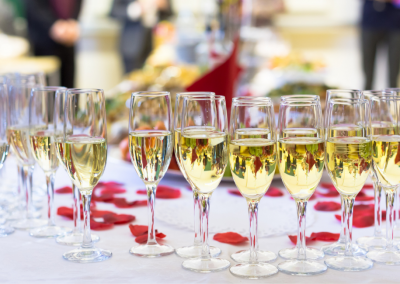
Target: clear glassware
(82,150)
(339,248)
(385,144)
(18,138)
(204,157)
(195,249)
(348,159)
(301,163)
(252,157)
(151,143)
(43,131)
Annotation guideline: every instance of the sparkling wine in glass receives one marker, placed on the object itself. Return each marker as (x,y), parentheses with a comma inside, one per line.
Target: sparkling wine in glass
(204,155)
(151,143)
(252,157)
(195,249)
(301,163)
(82,150)
(348,159)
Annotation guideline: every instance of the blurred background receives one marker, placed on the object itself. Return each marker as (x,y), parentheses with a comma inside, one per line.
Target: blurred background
(233,47)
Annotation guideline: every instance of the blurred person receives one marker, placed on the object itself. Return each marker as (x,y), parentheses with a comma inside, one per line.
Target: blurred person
(138,17)
(380,24)
(53,30)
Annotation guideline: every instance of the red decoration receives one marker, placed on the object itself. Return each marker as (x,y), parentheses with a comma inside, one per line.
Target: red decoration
(112,190)
(230,238)
(293,239)
(108,183)
(163,191)
(118,219)
(121,202)
(328,194)
(100,226)
(361,196)
(368,186)
(234,192)
(94,213)
(321,236)
(274,192)
(65,212)
(327,206)
(65,189)
(362,221)
(103,197)
(141,233)
(143,238)
(328,186)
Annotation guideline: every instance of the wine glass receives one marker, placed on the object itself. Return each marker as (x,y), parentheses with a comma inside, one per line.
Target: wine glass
(301,164)
(18,138)
(4,146)
(43,131)
(252,158)
(150,146)
(204,155)
(82,150)
(195,249)
(348,159)
(385,146)
(338,248)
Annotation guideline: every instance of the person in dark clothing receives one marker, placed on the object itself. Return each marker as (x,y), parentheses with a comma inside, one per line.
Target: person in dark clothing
(138,17)
(53,30)
(380,24)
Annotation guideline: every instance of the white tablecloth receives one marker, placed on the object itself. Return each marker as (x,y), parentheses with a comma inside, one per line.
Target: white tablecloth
(26,259)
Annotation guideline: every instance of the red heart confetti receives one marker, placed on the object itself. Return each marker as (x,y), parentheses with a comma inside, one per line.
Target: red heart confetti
(100,226)
(108,183)
(327,206)
(234,192)
(320,236)
(65,212)
(328,193)
(361,196)
(103,197)
(112,190)
(328,186)
(274,192)
(65,189)
(143,238)
(118,219)
(362,221)
(293,239)
(123,203)
(99,213)
(230,238)
(138,230)
(164,192)
(368,186)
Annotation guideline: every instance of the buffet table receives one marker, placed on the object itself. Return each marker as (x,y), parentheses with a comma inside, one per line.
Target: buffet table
(26,259)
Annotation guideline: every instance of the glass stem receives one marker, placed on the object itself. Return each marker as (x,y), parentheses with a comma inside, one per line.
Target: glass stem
(76,209)
(377,209)
(397,208)
(50,198)
(197,219)
(204,200)
(349,204)
(87,237)
(301,232)
(342,237)
(253,216)
(21,186)
(391,193)
(151,204)
(27,181)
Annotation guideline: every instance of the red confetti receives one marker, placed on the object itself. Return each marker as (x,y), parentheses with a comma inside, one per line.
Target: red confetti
(293,239)
(100,226)
(230,238)
(123,203)
(112,190)
(361,196)
(325,236)
(118,219)
(66,212)
(234,192)
(65,189)
(108,183)
(328,186)
(274,192)
(327,206)
(163,191)
(368,186)
(361,221)
(138,230)
(99,213)
(103,197)
(143,238)
(328,194)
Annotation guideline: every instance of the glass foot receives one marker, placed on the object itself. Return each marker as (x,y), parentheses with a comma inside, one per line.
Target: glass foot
(206,265)
(27,224)
(5,231)
(372,242)
(253,271)
(292,253)
(49,232)
(243,256)
(152,250)
(302,267)
(195,251)
(85,255)
(349,263)
(18,214)
(74,239)
(385,257)
(340,248)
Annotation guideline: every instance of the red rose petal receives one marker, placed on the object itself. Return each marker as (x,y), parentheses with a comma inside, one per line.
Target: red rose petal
(230,238)
(293,239)
(361,221)
(100,226)
(138,230)
(274,192)
(103,197)
(66,212)
(328,194)
(327,206)
(368,186)
(123,203)
(99,213)
(108,183)
(234,192)
(143,238)
(325,236)
(164,192)
(361,196)
(112,190)
(65,189)
(118,219)
(328,186)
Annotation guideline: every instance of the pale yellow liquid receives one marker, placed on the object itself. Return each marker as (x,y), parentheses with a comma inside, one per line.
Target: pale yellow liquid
(44,151)
(383,128)
(177,149)
(347,131)
(204,157)
(301,163)
(253,163)
(18,138)
(3,152)
(386,159)
(151,153)
(252,133)
(84,159)
(348,161)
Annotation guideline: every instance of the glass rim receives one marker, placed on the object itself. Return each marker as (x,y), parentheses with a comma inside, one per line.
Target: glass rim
(300,102)
(348,101)
(252,101)
(343,91)
(85,90)
(386,98)
(392,89)
(189,94)
(300,97)
(151,94)
(48,88)
(216,97)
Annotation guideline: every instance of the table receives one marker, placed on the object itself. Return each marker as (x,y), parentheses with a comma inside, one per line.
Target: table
(26,259)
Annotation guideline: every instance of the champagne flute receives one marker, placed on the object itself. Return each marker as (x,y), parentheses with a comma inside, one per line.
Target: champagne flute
(18,138)
(348,159)
(385,146)
(82,150)
(43,130)
(150,146)
(252,156)
(195,249)
(339,248)
(204,155)
(301,162)
(4,146)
